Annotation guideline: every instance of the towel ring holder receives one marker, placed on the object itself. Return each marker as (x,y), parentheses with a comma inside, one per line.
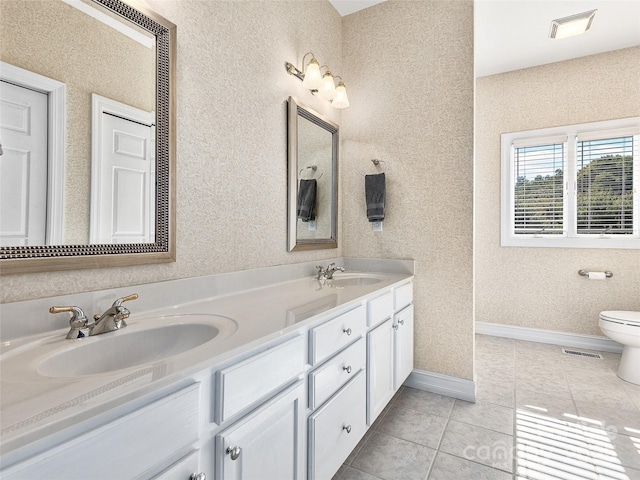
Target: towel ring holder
(376,162)
(312,167)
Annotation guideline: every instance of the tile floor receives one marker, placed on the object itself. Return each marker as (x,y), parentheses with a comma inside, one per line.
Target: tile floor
(539,414)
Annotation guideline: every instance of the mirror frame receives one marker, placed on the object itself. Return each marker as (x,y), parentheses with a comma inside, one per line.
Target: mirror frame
(294,110)
(30,259)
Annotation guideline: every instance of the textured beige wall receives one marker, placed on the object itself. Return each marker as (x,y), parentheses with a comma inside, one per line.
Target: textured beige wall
(89,57)
(408,68)
(232,140)
(540,287)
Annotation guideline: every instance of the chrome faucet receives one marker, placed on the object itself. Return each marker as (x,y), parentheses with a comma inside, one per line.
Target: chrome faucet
(112,319)
(327,274)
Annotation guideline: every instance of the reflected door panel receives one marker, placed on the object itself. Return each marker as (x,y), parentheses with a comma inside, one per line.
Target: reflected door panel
(124,210)
(23,166)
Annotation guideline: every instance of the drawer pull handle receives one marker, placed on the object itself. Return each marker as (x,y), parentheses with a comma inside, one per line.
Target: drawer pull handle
(347,428)
(347,331)
(198,476)
(347,368)
(234,452)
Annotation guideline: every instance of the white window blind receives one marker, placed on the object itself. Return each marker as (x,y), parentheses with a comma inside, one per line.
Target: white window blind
(605,170)
(538,181)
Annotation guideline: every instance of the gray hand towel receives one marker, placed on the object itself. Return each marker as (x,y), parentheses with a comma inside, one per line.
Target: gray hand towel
(307,200)
(374,188)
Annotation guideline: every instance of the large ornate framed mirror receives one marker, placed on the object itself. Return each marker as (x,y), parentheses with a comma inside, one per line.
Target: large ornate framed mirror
(106,58)
(313,179)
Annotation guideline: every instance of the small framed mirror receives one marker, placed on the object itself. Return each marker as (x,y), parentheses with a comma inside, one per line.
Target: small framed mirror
(313,179)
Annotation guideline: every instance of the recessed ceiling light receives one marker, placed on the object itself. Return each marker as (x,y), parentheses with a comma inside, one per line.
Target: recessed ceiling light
(573,25)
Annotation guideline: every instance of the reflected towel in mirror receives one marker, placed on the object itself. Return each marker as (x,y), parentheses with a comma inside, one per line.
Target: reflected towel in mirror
(307,200)
(374,187)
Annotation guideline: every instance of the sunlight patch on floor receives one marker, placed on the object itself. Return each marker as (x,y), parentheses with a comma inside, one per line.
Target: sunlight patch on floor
(548,448)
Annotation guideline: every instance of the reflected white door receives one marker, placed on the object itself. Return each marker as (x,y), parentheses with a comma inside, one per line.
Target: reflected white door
(23,166)
(122,208)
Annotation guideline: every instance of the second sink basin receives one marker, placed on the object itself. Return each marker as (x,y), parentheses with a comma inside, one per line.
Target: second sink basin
(354,280)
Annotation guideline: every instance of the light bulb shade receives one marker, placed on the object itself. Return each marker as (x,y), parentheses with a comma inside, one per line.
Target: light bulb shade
(340,100)
(312,78)
(328,88)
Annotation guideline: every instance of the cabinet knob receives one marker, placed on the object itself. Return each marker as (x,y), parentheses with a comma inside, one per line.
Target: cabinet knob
(395,326)
(401,321)
(234,452)
(347,331)
(347,428)
(198,476)
(347,368)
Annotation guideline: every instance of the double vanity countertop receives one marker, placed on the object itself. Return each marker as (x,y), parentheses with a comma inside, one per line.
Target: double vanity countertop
(49,383)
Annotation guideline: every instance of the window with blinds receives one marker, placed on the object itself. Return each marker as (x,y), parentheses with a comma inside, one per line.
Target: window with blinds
(573,186)
(605,186)
(538,189)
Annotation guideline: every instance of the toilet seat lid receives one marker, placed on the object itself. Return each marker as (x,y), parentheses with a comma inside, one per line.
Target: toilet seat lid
(621,316)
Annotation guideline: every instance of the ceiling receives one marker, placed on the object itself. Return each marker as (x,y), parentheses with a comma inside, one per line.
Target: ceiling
(345,7)
(514,34)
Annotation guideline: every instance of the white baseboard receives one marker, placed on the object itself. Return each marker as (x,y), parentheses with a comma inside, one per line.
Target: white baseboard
(442,384)
(589,342)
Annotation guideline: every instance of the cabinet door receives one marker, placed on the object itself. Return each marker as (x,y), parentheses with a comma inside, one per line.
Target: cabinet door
(379,369)
(403,325)
(267,444)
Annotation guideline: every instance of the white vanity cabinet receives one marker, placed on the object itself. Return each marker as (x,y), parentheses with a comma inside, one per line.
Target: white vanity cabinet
(403,346)
(380,361)
(337,391)
(139,445)
(336,428)
(290,405)
(389,346)
(267,443)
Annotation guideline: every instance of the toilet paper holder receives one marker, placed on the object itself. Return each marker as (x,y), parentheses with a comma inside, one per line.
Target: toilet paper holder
(584,273)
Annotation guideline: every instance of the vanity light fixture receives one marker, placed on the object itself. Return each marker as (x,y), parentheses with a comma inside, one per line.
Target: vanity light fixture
(572,25)
(321,83)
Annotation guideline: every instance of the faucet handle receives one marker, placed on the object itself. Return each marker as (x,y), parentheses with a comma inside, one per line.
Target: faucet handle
(119,301)
(77,321)
(76,312)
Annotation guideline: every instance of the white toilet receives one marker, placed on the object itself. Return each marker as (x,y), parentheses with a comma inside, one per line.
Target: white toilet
(624,328)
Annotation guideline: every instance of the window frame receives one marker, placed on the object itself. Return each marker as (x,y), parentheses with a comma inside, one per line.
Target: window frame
(570,238)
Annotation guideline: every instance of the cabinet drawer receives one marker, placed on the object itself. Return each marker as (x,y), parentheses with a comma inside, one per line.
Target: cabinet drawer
(403,296)
(139,442)
(380,309)
(326,380)
(331,336)
(336,428)
(254,379)
(182,469)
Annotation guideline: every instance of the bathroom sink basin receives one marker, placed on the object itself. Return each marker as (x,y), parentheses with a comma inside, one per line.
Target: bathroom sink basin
(142,342)
(355,280)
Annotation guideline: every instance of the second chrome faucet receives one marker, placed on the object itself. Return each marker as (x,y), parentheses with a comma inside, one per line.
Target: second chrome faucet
(327,274)
(112,319)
